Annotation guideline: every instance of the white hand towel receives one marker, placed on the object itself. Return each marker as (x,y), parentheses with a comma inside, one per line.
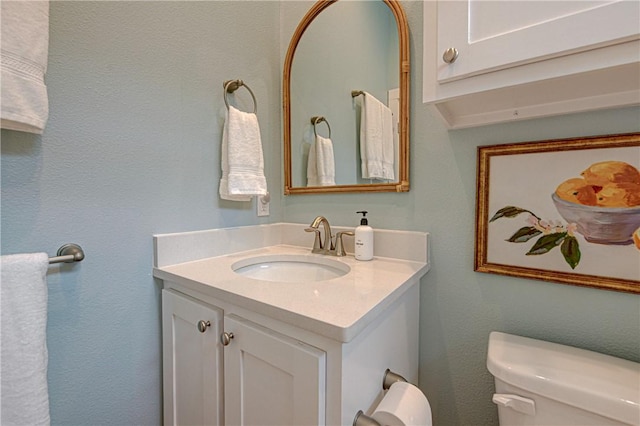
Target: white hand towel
(376,139)
(242,159)
(321,170)
(23,64)
(23,302)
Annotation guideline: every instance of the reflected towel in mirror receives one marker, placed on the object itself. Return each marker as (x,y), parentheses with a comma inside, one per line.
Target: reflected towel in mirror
(321,169)
(376,139)
(242,158)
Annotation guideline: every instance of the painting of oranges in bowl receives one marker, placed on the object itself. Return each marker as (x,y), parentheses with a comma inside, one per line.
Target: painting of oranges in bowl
(563,210)
(604,202)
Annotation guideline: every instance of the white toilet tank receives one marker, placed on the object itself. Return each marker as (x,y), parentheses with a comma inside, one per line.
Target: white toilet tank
(543,383)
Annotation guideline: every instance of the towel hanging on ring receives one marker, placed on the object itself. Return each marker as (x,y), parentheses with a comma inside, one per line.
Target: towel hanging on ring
(242,156)
(321,163)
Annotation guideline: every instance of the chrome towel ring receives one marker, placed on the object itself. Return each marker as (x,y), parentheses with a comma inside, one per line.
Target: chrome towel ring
(319,119)
(231,86)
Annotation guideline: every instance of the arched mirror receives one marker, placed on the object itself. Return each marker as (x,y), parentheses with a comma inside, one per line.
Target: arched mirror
(341,53)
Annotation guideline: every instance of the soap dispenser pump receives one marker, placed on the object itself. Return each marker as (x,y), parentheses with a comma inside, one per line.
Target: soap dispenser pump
(364,239)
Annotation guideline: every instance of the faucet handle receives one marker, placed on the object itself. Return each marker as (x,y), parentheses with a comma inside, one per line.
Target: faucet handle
(339,244)
(317,244)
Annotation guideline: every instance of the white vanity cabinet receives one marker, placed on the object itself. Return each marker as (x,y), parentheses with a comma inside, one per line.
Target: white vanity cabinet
(268,378)
(192,361)
(529,58)
(272,372)
(305,351)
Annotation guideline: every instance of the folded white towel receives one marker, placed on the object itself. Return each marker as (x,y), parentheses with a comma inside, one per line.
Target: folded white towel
(321,170)
(376,139)
(242,160)
(23,64)
(23,302)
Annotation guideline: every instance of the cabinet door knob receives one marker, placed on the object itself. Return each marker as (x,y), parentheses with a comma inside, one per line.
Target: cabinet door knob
(450,55)
(202,325)
(225,338)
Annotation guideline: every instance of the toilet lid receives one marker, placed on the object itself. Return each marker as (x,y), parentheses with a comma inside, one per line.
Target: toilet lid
(592,381)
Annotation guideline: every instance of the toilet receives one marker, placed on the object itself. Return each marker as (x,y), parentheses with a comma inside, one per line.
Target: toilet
(543,383)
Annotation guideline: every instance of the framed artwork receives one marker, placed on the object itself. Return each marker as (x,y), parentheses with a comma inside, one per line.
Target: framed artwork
(565,210)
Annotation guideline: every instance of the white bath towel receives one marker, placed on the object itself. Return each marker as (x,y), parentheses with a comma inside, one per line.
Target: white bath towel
(376,139)
(23,302)
(242,158)
(321,169)
(23,64)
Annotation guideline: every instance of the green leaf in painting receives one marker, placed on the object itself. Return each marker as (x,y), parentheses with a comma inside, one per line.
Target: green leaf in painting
(524,234)
(571,251)
(509,211)
(547,242)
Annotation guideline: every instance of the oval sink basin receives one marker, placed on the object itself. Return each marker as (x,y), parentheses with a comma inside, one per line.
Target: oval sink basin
(290,268)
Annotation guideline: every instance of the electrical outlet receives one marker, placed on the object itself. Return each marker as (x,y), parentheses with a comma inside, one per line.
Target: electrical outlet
(262,205)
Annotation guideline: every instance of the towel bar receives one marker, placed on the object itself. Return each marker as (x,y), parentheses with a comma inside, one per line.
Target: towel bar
(355,93)
(68,253)
(231,86)
(319,119)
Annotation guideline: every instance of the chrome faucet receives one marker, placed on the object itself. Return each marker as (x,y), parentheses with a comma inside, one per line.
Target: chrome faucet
(321,245)
(326,245)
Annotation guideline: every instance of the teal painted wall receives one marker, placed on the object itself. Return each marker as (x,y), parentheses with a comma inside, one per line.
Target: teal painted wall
(132,149)
(459,307)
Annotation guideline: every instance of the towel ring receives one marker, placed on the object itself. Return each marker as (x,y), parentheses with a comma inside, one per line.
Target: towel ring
(355,93)
(231,86)
(319,119)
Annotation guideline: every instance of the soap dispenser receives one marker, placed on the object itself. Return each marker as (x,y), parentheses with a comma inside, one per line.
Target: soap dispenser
(364,239)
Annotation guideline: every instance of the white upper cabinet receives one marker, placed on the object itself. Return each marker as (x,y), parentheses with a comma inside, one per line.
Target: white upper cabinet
(525,59)
(493,35)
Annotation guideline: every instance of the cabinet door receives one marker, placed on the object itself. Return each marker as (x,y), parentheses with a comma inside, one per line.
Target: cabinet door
(192,361)
(492,35)
(271,379)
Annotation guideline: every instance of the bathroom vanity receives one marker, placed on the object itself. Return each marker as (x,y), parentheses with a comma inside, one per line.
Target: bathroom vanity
(297,348)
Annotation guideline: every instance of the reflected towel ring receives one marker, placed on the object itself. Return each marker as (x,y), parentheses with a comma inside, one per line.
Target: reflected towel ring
(319,119)
(231,86)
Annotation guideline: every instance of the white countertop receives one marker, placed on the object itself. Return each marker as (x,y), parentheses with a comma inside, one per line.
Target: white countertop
(338,308)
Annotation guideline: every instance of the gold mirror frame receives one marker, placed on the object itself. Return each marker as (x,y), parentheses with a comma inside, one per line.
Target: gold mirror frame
(402,185)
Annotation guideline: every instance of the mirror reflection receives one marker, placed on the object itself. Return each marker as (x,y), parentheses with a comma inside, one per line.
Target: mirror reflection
(346,124)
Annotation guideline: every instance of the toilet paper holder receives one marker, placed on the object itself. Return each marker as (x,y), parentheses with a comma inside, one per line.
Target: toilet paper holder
(363,420)
(389,379)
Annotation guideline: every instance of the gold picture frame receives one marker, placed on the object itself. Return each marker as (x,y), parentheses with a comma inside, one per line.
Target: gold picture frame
(537,218)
